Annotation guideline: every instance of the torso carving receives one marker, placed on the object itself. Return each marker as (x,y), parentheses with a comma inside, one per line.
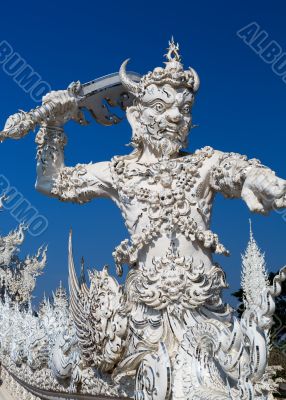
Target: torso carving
(167,208)
(168,199)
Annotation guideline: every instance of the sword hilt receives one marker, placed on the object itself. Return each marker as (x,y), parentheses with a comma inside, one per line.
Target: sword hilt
(21,123)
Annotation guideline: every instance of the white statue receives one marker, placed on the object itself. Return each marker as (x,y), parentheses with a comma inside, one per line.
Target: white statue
(168,326)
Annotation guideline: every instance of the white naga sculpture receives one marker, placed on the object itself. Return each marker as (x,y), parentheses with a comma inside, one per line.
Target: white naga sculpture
(167,327)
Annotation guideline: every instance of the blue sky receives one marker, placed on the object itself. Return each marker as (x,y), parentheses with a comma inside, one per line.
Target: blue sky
(240,107)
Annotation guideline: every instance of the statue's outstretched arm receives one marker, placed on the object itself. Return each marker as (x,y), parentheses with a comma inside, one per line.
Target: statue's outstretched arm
(235,176)
(78,184)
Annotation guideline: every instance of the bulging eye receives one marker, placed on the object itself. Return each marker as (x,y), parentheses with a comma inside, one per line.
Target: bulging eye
(186,109)
(159,107)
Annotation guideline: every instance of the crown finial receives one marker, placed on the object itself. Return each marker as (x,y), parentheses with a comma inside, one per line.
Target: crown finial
(173,51)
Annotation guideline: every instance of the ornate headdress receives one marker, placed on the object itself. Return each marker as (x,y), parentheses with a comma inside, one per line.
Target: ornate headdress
(173,74)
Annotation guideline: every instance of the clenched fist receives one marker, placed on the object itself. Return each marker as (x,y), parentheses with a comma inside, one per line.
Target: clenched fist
(64,106)
(263,191)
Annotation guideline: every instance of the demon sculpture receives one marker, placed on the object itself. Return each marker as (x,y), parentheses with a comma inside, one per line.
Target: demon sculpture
(167,329)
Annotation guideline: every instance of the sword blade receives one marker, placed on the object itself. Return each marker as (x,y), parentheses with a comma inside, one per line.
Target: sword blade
(105,82)
(103,94)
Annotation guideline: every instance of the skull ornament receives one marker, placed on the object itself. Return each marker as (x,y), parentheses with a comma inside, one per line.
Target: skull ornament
(167,198)
(179,194)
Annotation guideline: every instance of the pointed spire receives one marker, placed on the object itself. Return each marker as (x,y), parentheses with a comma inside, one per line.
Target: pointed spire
(60,296)
(250,230)
(254,276)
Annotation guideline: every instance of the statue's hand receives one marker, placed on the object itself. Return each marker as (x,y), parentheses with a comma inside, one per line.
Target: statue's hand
(263,191)
(65,106)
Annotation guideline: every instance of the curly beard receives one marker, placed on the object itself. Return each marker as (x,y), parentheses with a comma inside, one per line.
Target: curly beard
(164,147)
(164,138)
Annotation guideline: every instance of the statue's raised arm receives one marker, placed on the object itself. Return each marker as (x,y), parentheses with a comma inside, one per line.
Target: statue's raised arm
(80,183)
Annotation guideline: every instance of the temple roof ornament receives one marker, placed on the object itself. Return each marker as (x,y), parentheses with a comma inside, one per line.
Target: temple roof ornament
(254,276)
(18,276)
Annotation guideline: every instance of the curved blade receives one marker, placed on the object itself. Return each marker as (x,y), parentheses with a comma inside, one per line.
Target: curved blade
(101,95)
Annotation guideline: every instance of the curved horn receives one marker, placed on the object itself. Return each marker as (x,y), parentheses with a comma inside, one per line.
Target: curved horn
(130,85)
(196,80)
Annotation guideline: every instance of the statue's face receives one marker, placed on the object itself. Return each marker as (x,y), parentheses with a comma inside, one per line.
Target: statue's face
(165,118)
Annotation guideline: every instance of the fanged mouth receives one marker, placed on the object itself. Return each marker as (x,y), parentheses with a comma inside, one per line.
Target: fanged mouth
(173,133)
